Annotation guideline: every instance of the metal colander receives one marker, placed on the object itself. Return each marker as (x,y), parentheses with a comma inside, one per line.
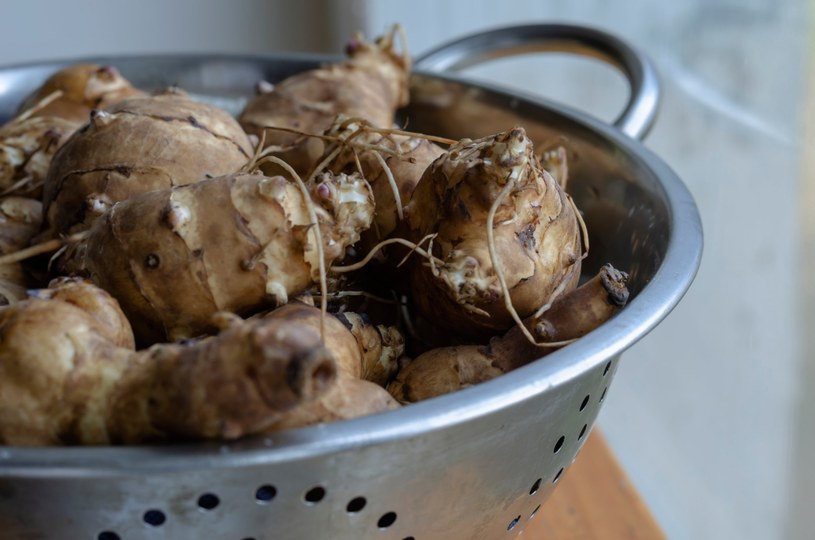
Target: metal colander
(475,464)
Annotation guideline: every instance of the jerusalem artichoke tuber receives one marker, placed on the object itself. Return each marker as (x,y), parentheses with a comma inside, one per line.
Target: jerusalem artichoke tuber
(366,358)
(237,243)
(571,316)
(493,209)
(371,84)
(81,88)
(136,146)
(62,381)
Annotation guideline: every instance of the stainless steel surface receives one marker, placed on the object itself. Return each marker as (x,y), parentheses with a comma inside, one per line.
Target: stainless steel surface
(475,464)
(640,111)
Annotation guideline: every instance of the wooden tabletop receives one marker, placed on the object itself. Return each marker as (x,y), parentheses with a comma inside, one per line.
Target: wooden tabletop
(594,501)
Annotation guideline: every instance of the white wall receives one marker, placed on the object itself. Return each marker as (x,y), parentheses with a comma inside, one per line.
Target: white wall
(706,411)
(48,29)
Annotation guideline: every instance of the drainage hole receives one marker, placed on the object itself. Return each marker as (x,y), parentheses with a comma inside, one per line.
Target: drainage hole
(386,520)
(608,367)
(534,512)
(513,523)
(107,535)
(559,444)
(208,501)
(265,493)
(582,432)
(155,518)
(355,505)
(557,476)
(409,538)
(603,395)
(585,402)
(315,495)
(535,486)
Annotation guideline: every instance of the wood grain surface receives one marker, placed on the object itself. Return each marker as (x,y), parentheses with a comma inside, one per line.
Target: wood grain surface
(595,501)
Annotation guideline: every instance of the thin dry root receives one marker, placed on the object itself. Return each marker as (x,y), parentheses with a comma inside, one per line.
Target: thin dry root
(448,369)
(41,104)
(42,248)
(364,294)
(392,181)
(377,248)
(499,272)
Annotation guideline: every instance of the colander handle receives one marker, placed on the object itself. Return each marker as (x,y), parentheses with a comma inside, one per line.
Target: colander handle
(643,102)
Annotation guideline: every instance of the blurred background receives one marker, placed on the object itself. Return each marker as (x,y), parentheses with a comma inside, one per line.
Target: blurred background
(713,414)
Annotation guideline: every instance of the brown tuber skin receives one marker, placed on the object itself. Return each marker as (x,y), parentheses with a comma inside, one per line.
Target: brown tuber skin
(62,381)
(371,84)
(136,146)
(237,243)
(27,146)
(48,117)
(406,157)
(447,369)
(537,236)
(366,356)
(111,323)
(20,220)
(82,87)
(363,350)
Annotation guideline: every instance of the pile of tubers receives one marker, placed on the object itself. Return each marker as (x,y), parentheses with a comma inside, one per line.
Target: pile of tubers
(169,272)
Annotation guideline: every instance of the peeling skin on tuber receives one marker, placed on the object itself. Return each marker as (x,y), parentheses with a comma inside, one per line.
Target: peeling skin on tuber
(573,315)
(48,117)
(27,146)
(63,382)
(174,257)
(371,84)
(392,164)
(535,237)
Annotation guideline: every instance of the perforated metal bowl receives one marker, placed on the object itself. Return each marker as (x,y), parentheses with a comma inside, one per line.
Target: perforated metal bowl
(472,465)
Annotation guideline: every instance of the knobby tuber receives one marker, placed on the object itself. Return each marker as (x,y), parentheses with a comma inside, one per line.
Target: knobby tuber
(48,117)
(366,357)
(136,146)
(63,381)
(493,209)
(571,316)
(111,323)
(27,146)
(364,350)
(371,84)
(81,88)
(392,163)
(237,243)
